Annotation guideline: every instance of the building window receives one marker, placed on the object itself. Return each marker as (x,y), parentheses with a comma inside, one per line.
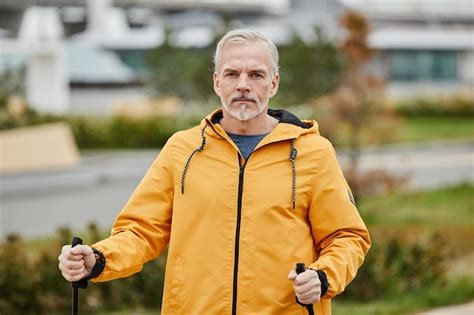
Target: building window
(423,65)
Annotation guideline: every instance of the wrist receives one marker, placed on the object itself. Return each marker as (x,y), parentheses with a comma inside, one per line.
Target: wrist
(98,266)
(323,279)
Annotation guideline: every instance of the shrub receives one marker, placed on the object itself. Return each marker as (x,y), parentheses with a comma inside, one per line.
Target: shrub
(122,131)
(457,105)
(31,283)
(394,266)
(18,289)
(105,132)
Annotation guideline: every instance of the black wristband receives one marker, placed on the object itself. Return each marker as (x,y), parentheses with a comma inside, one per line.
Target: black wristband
(324,281)
(99,265)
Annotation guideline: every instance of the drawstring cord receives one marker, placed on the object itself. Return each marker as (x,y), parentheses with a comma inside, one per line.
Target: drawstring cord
(198,149)
(293,153)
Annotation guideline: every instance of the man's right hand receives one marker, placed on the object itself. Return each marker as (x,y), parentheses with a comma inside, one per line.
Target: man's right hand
(76,262)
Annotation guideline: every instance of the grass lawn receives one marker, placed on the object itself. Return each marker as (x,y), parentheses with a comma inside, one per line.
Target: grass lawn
(435,128)
(448,212)
(412,129)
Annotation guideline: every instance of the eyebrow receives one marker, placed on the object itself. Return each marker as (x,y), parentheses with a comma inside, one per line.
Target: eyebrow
(229,70)
(261,71)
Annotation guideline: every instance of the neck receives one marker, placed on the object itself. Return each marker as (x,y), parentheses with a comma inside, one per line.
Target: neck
(260,124)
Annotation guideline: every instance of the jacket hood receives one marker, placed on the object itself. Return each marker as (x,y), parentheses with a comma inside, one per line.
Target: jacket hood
(288,129)
(289,126)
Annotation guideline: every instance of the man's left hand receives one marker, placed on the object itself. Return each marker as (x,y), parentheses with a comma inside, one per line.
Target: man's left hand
(307,286)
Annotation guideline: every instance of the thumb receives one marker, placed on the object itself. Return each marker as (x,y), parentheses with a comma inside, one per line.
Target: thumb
(292,275)
(88,256)
(83,250)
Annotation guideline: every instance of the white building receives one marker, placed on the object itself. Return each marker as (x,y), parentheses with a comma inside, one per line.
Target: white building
(424,47)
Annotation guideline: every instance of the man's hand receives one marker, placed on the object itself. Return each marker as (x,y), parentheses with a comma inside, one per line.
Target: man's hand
(77,262)
(307,286)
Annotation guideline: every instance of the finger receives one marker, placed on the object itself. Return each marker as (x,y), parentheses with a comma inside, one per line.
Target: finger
(292,275)
(306,276)
(309,295)
(71,264)
(73,273)
(81,250)
(74,278)
(68,254)
(307,286)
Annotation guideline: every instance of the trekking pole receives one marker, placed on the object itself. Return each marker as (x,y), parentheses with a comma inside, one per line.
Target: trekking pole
(75,284)
(300,267)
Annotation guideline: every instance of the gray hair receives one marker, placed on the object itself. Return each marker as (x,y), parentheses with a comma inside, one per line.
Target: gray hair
(246,36)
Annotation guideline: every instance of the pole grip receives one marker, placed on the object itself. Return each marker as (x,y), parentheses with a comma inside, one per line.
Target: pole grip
(76,241)
(300,267)
(75,285)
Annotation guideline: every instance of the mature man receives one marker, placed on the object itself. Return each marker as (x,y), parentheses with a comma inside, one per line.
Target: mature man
(240,199)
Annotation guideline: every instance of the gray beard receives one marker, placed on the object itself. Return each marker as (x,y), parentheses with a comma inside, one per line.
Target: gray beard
(242,114)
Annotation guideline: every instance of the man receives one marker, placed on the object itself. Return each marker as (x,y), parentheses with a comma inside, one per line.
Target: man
(240,199)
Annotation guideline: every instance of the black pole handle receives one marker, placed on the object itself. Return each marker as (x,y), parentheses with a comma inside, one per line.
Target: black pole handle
(76,241)
(300,267)
(75,285)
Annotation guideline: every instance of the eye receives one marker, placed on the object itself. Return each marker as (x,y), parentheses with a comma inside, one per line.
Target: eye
(256,75)
(231,74)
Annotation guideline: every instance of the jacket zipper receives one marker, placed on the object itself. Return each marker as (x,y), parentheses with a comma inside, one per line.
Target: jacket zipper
(237,230)
(237,233)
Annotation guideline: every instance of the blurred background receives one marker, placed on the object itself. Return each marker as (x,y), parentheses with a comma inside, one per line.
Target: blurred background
(91,90)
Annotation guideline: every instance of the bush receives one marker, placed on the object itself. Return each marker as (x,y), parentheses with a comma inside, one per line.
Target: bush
(106,132)
(31,283)
(395,266)
(18,287)
(458,105)
(122,131)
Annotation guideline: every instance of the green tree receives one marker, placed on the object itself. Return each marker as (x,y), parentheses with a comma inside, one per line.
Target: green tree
(308,69)
(181,72)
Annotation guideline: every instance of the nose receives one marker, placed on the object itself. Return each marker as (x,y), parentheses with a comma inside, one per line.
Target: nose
(243,84)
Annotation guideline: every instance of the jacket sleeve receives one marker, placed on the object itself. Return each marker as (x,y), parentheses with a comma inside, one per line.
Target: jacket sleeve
(142,229)
(339,234)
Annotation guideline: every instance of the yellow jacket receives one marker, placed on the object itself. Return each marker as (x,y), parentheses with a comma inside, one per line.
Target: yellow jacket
(236,228)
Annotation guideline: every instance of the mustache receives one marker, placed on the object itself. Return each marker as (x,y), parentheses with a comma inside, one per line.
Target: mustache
(243,98)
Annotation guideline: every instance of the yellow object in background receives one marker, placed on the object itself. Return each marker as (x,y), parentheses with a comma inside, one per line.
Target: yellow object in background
(42,147)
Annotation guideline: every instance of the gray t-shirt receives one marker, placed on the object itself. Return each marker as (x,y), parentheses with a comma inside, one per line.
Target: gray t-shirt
(246,143)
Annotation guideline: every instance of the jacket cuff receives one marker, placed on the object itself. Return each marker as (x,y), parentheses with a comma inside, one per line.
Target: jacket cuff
(99,265)
(324,281)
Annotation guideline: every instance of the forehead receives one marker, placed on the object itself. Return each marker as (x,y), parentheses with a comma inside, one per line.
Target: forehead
(246,54)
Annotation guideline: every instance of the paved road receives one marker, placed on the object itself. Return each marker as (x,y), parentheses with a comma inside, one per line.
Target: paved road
(37,204)
(464,309)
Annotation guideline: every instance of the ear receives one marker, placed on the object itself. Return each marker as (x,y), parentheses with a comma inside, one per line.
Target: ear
(217,89)
(275,84)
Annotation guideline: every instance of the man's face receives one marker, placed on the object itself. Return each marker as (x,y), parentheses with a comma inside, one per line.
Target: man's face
(244,80)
